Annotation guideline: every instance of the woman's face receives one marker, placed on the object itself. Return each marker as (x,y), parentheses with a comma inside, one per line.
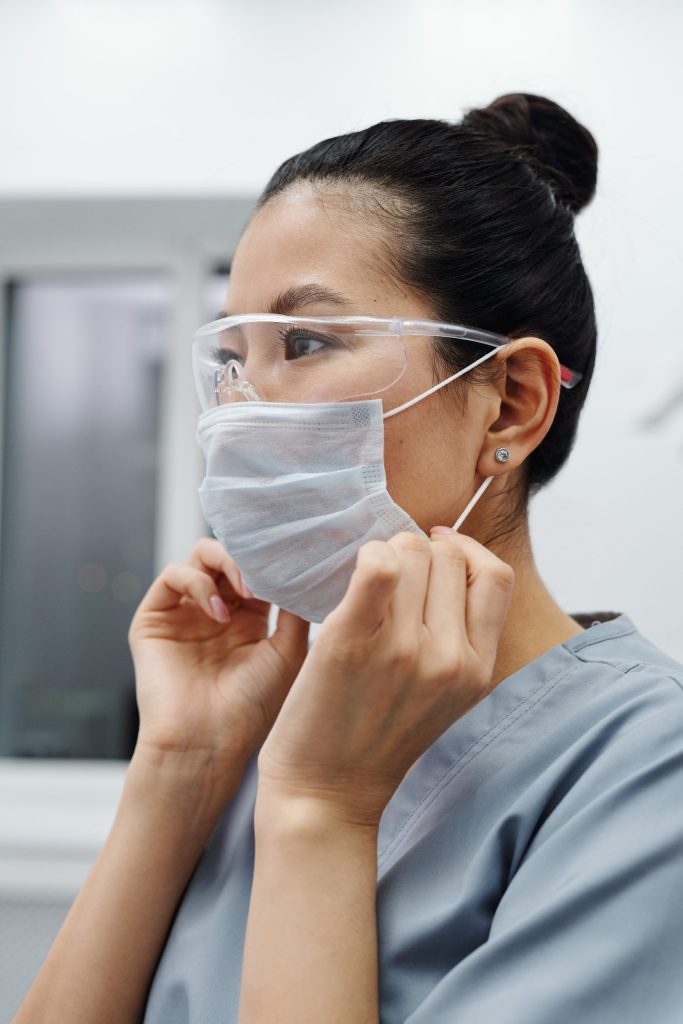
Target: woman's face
(432,449)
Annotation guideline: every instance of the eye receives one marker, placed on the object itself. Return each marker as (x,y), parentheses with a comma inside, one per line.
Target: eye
(224,355)
(298,342)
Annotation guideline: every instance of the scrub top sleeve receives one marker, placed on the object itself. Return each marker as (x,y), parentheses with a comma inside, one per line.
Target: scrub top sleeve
(590,926)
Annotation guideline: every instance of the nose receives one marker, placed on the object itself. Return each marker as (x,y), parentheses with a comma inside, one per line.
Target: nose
(233,372)
(236,383)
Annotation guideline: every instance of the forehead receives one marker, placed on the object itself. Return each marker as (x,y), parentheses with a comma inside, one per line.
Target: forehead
(304,235)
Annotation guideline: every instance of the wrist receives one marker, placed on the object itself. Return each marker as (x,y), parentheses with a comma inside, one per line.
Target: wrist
(281,810)
(195,784)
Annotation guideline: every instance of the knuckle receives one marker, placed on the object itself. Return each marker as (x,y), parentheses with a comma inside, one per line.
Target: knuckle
(210,551)
(203,546)
(372,547)
(407,541)
(502,575)
(448,665)
(404,653)
(378,560)
(181,575)
(383,572)
(453,552)
(227,559)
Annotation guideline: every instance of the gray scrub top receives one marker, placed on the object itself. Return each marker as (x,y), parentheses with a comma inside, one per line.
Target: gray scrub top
(530,864)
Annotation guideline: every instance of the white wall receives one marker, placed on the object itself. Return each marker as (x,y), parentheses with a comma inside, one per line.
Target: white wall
(169,97)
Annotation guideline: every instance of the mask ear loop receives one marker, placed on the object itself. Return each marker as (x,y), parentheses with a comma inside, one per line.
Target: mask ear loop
(473,502)
(418,398)
(436,387)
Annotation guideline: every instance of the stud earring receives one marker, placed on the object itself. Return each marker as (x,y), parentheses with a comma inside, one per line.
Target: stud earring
(502,455)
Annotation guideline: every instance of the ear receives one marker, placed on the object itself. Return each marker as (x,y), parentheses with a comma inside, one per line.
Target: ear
(528,395)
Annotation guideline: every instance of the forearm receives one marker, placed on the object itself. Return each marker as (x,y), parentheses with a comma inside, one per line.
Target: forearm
(311,940)
(100,966)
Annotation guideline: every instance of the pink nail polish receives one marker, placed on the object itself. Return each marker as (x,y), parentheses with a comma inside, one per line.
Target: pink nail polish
(220,609)
(442,529)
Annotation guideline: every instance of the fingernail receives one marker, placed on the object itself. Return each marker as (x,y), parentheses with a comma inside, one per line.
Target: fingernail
(442,529)
(220,609)
(245,589)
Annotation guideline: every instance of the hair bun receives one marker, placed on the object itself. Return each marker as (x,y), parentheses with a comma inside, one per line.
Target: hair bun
(543,134)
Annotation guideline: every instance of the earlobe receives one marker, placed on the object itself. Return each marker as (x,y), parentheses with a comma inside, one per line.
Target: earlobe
(492,460)
(501,456)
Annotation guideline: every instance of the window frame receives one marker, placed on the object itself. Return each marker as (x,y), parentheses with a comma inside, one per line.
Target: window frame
(188,238)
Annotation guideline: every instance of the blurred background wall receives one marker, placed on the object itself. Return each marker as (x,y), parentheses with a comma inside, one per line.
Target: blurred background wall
(135,137)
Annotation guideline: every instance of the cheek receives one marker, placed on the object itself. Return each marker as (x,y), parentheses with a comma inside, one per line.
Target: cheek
(427,475)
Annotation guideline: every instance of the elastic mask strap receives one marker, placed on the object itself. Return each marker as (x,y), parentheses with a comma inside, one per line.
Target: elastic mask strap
(473,502)
(441,384)
(418,398)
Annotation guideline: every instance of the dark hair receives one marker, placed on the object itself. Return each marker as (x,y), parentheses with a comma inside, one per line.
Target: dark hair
(481,218)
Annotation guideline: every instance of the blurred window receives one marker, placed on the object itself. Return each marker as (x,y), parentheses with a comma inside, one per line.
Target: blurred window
(83,365)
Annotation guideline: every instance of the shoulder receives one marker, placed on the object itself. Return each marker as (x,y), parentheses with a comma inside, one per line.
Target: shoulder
(617,736)
(620,776)
(587,925)
(609,833)
(618,643)
(629,683)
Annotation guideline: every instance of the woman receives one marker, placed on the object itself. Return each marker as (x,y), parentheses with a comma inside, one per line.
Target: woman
(460,803)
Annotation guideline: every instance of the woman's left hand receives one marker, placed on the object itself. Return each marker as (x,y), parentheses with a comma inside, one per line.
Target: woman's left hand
(409,650)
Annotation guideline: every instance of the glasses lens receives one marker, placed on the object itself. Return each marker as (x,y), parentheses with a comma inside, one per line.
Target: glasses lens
(297,361)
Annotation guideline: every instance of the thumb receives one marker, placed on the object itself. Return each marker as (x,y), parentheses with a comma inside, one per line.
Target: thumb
(290,638)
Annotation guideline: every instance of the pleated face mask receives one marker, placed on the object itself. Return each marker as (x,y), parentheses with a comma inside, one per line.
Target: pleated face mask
(293,490)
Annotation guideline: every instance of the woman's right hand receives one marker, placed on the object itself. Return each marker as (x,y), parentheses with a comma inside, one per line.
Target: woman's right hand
(209,691)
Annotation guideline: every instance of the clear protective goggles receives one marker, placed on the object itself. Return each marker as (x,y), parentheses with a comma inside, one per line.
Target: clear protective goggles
(269,357)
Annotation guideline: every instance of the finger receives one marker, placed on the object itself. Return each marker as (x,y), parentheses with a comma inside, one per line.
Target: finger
(178,581)
(373,582)
(290,638)
(408,601)
(446,603)
(490,583)
(210,555)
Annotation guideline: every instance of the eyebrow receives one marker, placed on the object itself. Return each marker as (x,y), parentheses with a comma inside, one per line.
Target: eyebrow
(292,299)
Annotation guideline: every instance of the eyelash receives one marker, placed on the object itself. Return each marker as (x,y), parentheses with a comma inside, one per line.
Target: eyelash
(285,336)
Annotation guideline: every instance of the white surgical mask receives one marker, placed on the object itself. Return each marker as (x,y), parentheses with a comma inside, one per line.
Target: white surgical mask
(292,491)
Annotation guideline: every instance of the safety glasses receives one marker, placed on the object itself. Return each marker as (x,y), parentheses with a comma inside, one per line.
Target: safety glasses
(275,358)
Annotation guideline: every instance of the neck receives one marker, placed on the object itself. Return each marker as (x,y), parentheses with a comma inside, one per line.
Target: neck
(535,622)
